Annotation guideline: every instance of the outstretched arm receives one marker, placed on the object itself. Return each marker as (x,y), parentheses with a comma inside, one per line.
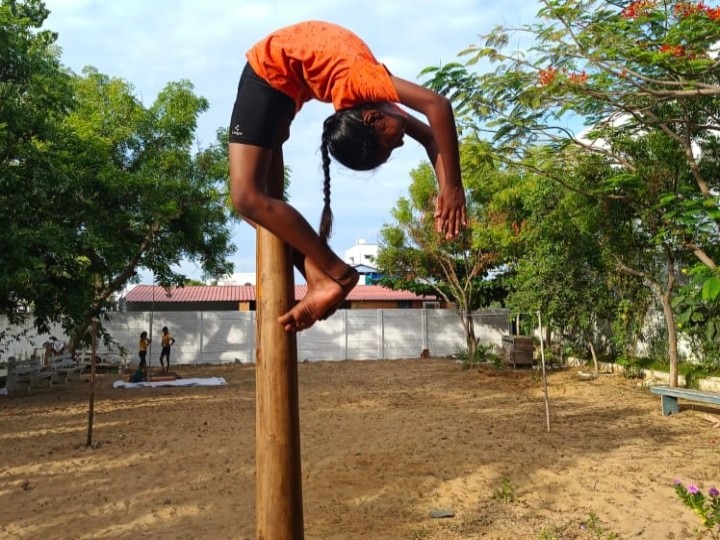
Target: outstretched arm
(441,144)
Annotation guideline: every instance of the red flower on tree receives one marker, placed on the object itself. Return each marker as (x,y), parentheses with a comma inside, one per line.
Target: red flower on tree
(687,9)
(678,51)
(547,75)
(713,13)
(637,9)
(578,78)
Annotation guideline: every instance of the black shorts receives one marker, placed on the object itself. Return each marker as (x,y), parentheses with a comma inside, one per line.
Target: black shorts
(261,114)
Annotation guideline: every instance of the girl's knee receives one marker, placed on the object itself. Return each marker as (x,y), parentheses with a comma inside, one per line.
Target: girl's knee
(243,195)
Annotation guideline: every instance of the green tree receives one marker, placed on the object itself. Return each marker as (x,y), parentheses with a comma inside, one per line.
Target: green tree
(138,197)
(94,185)
(35,92)
(413,256)
(631,71)
(698,317)
(562,266)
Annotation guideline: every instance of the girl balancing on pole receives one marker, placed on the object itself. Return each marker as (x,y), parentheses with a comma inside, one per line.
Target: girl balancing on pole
(323,61)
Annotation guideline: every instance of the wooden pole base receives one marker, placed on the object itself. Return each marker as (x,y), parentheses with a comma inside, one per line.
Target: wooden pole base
(279,512)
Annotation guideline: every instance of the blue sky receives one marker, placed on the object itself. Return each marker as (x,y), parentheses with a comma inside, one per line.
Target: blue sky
(150,43)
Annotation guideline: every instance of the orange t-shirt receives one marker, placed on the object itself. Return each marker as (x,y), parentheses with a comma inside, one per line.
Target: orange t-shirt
(323,61)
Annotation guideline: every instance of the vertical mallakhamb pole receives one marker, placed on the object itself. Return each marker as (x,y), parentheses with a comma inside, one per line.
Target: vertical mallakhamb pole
(279,512)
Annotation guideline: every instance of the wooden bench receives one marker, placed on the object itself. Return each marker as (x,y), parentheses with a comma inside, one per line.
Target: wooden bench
(63,367)
(669,397)
(28,372)
(105,362)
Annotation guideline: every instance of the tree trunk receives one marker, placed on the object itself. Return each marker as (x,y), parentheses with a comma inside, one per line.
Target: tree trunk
(548,336)
(665,299)
(595,361)
(672,338)
(470,338)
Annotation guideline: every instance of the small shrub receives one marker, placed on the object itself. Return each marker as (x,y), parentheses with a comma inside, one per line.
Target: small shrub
(594,526)
(634,366)
(693,373)
(483,355)
(505,493)
(548,534)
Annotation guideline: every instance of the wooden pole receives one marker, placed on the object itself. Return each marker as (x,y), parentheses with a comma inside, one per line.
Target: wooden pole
(93,363)
(279,512)
(544,375)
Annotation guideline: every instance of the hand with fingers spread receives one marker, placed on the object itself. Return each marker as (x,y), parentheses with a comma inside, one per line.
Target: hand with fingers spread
(450,214)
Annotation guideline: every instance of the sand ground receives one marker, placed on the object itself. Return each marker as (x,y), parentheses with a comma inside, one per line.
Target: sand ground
(384,444)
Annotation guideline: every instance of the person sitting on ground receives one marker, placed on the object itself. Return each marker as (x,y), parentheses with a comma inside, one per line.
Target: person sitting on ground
(137,376)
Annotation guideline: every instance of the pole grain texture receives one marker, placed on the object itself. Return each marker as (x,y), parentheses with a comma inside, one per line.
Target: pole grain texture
(279,511)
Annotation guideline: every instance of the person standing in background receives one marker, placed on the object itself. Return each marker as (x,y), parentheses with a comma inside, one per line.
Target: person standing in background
(142,350)
(166,342)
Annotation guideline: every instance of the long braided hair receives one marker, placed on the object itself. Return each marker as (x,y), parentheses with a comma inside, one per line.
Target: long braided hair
(326,218)
(353,143)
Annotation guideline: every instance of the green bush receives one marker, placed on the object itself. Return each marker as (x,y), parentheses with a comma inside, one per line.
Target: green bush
(485,354)
(634,366)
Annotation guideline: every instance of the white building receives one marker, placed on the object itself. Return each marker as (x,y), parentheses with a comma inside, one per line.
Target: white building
(363,256)
(362,253)
(239,278)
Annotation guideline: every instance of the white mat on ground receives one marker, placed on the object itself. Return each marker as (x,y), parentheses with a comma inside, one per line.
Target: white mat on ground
(210,381)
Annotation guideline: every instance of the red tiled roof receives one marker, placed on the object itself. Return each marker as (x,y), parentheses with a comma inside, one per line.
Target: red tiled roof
(246,293)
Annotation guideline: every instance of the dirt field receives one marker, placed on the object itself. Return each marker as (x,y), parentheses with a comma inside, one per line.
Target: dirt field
(384,444)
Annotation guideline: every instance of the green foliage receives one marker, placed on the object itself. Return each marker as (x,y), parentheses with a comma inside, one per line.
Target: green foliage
(634,366)
(594,526)
(694,373)
(95,184)
(34,95)
(505,493)
(548,533)
(484,354)
(135,171)
(698,314)
(413,256)
(642,77)
(560,266)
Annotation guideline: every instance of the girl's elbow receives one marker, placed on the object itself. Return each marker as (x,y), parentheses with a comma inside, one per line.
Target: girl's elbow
(445,106)
(442,100)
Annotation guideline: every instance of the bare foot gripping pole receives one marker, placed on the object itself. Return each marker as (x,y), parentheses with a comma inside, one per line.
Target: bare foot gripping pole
(278,491)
